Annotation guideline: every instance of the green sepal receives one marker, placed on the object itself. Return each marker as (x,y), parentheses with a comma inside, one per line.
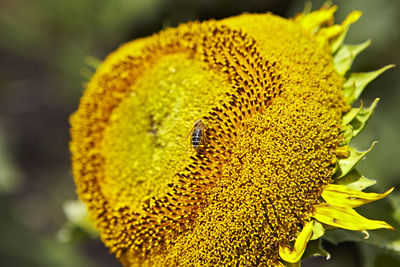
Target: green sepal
(355,180)
(338,41)
(344,58)
(361,119)
(347,132)
(349,116)
(355,120)
(355,84)
(318,230)
(314,248)
(345,165)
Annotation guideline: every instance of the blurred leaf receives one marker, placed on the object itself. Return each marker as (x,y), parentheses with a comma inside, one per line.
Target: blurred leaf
(384,259)
(78,225)
(58,34)
(395,201)
(314,248)
(72,233)
(20,247)
(371,256)
(10,177)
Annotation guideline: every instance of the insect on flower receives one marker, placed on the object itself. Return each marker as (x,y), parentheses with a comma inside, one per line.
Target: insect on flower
(198,134)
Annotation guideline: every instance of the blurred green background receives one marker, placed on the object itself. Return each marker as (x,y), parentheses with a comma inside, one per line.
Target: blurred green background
(44,49)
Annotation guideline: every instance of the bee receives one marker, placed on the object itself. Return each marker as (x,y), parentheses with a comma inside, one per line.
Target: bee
(198,134)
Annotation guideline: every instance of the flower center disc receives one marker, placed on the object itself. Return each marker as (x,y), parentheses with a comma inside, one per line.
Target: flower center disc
(147,140)
(271,101)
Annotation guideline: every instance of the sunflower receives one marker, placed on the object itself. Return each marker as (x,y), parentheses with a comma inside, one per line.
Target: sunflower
(273,169)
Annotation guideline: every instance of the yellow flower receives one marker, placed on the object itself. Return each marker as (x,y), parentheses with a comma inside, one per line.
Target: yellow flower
(274,169)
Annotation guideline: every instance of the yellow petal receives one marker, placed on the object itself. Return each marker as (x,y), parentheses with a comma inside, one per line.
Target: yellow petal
(336,30)
(311,22)
(294,255)
(346,218)
(343,196)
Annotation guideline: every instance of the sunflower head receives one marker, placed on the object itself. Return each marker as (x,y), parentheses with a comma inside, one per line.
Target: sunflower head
(224,142)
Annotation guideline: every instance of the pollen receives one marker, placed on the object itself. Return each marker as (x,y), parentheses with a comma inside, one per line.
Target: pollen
(272,104)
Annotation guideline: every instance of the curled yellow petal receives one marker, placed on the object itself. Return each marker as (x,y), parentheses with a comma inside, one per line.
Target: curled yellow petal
(335,30)
(344,196)
(337,41)
(346,218)
(312,21)
(293,255)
